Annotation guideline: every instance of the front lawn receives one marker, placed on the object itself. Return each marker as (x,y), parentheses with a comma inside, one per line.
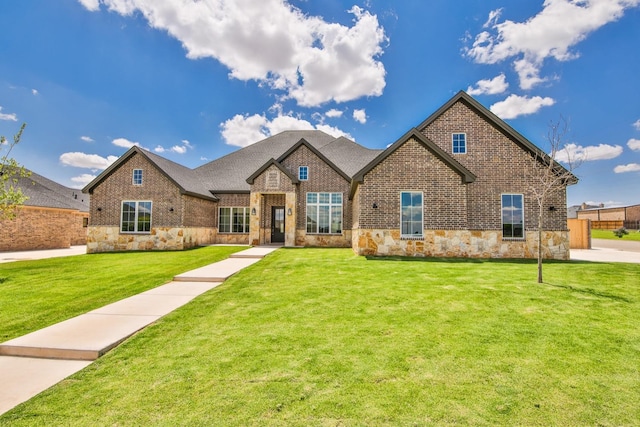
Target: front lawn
(633,235)
(321,337)
(36,294)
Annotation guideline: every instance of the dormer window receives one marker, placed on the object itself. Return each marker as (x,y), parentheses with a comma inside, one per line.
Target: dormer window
(137,177)
(459,143)
(303,173)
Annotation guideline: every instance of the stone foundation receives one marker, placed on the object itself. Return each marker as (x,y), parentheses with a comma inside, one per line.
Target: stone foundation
(232,239)
(324,240)
(109,239)
(461,244)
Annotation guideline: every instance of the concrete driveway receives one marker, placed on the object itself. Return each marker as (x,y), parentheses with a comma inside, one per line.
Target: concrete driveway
(609,250)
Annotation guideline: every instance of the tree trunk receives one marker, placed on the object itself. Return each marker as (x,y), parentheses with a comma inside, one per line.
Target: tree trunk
(540,244)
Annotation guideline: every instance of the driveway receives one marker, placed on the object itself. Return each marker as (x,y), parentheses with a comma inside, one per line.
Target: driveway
(47,253)
(609,250)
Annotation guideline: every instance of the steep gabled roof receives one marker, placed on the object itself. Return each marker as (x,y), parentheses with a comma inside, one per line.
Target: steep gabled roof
(230,173)
(183,178)
(348,156)
(317,153)
(272,162)
(466,175)
(43,192)
(499,124)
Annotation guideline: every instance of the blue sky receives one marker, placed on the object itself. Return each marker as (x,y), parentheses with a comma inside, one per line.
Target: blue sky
(194,80)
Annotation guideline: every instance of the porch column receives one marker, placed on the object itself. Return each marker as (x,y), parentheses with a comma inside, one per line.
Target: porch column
(254,222)
(290,221)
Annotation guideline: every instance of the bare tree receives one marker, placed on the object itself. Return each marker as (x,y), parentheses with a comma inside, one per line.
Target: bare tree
(11,194)
(549,178)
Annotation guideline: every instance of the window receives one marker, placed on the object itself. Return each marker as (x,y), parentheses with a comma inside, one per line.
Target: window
(85,222)
(324,213)
(136,217)
(459,143)
(512,216)
(234,220)
(411,214)
(303,173)
(137,177)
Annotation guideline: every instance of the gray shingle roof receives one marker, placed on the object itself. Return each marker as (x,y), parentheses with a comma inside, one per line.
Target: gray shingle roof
(229,173)
(348,156)
(43,192)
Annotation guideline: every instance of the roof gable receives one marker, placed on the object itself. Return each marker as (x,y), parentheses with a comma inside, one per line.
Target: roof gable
(501,126)
(466,175)
(272,162)
(303,142)
(185,179)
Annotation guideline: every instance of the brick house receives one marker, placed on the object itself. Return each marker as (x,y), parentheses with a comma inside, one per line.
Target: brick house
(611,217)
(452,186)
(53,217)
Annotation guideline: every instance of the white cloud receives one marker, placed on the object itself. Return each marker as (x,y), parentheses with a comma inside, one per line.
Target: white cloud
(494,86)
(92,5)
(86,138)
(334,113)
(631,167)
(552,33)
(273,42)
(516,105)
(159,149)
(83,179)
(636,124)
(34,92)
(186,143)
(579,153)
(180,149)
(11,117)
(360,116)
(634,144)
(125,143)
(87,161)
(242,131)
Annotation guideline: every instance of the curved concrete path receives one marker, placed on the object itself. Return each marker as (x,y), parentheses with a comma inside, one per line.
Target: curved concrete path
(34,362)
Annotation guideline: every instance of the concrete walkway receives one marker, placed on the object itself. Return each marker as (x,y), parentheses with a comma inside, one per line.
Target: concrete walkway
(609,250)
(34,362)
(41,254)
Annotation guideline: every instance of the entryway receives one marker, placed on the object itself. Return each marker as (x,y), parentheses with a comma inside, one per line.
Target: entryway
(277,224)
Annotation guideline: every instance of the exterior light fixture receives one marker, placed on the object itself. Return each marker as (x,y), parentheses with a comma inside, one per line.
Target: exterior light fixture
(289,212)
(170,209)
(375,205)
(253,211)
(99,209)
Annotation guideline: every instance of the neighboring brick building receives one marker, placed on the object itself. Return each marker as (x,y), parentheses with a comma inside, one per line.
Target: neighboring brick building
(53,217)
(612,217)
(454,186)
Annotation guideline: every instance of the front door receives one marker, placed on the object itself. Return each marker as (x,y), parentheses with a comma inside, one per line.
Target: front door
(277,224)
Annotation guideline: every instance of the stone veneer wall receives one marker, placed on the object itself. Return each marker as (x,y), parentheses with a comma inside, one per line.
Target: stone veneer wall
(42,228)
(461,244)
(109,239)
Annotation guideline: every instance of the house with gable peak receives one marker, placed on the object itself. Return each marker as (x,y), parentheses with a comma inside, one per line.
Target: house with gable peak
(455,185)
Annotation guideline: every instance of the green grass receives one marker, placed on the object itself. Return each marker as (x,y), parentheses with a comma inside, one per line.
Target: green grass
(320,337)
(633,235)
(36,294)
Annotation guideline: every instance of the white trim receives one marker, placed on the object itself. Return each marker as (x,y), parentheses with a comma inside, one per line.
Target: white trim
(133,177)
(137,202)
(524,232)
(317,205)
(413,236)
(465,142)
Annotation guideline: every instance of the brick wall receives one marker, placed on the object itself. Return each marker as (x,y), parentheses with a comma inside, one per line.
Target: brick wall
(412,167)
(42,228)
(118,186)
(322,178)
(501,166)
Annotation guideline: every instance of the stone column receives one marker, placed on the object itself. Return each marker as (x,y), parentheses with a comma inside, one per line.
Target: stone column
(290,220)
(254,224)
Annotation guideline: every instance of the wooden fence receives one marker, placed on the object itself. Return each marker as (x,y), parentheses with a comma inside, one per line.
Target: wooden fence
(606,225)
(579,233)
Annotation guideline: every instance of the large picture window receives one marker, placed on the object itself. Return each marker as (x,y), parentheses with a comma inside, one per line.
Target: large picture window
(411,214)
(324,213)
(136,217)
(512,216)
(234,220)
